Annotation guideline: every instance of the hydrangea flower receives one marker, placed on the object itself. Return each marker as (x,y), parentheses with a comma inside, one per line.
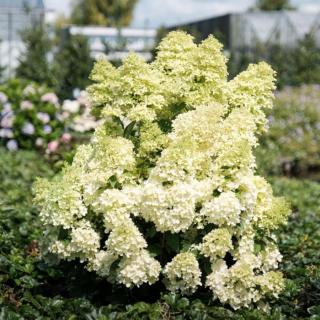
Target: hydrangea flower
(28,129)
(183,273)
(50,97)
(52,146)
(47,129)
(71,106)
(6,133)
(3,97)
(12,145)
(43,117)
(26,105)
(7,119)
(39,142)
(29,90)
(66,137)
(34,116)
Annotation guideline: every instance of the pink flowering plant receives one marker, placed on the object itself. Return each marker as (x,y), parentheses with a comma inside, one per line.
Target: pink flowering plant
(31,117)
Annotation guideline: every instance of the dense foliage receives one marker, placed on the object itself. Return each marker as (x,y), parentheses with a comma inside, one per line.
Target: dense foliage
(273,5)
(62,61)
(291,145)
(72,65)
(299,244)
(32,117)
(166,190)
(111,13)
(33,63)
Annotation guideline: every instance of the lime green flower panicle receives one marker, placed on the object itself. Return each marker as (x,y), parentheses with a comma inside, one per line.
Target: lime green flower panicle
(106,78)
(253,89)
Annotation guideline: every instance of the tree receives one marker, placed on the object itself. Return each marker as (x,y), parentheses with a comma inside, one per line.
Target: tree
(2,70)
(270,5)
(112,13)
(72,65)
(306,59)
(33,63)
(294,65)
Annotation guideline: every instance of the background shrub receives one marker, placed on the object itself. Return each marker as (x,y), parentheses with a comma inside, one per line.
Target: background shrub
(292,143)
(31,117)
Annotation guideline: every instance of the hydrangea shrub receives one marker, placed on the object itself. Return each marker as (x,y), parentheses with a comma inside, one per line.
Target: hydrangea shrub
(167,190)
(31,116)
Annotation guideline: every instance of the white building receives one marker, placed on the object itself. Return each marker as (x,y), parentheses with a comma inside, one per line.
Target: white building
(16,16)
(117,43)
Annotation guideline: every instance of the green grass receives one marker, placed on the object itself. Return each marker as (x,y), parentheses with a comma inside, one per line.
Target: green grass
(33,289)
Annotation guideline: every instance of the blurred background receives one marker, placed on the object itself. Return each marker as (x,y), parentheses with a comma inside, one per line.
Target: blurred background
(56,42)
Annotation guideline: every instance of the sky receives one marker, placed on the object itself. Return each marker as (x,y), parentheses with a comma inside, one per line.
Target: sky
(156,13)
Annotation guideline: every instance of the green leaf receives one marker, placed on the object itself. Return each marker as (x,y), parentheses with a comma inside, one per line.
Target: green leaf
(128,129)
(173,242)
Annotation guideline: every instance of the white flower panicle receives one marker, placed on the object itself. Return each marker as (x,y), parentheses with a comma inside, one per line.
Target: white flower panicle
(102,261)
(138,269)
(84,243)
(125,240)
(223,210)
(169,208)
(169,177)
(183,273)
(216,243)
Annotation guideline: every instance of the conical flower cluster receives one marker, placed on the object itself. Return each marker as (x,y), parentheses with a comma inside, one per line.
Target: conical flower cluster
(172,159)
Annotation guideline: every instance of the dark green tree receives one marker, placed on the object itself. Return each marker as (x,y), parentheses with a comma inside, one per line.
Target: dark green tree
(270,5)
(294,65)
(111,13)
(33,63)
(2,69)
(306,60)
(282,60)
(72,65)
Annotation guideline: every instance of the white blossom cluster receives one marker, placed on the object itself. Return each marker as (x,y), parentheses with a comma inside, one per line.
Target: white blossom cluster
(173,155)
(223,210)
(216,243)
(183,273)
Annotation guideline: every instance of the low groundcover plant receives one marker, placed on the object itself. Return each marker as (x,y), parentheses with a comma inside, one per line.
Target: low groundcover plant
(166,190)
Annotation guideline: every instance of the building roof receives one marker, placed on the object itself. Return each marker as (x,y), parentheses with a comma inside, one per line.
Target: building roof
(283,27)
(247,28)
(107,31)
